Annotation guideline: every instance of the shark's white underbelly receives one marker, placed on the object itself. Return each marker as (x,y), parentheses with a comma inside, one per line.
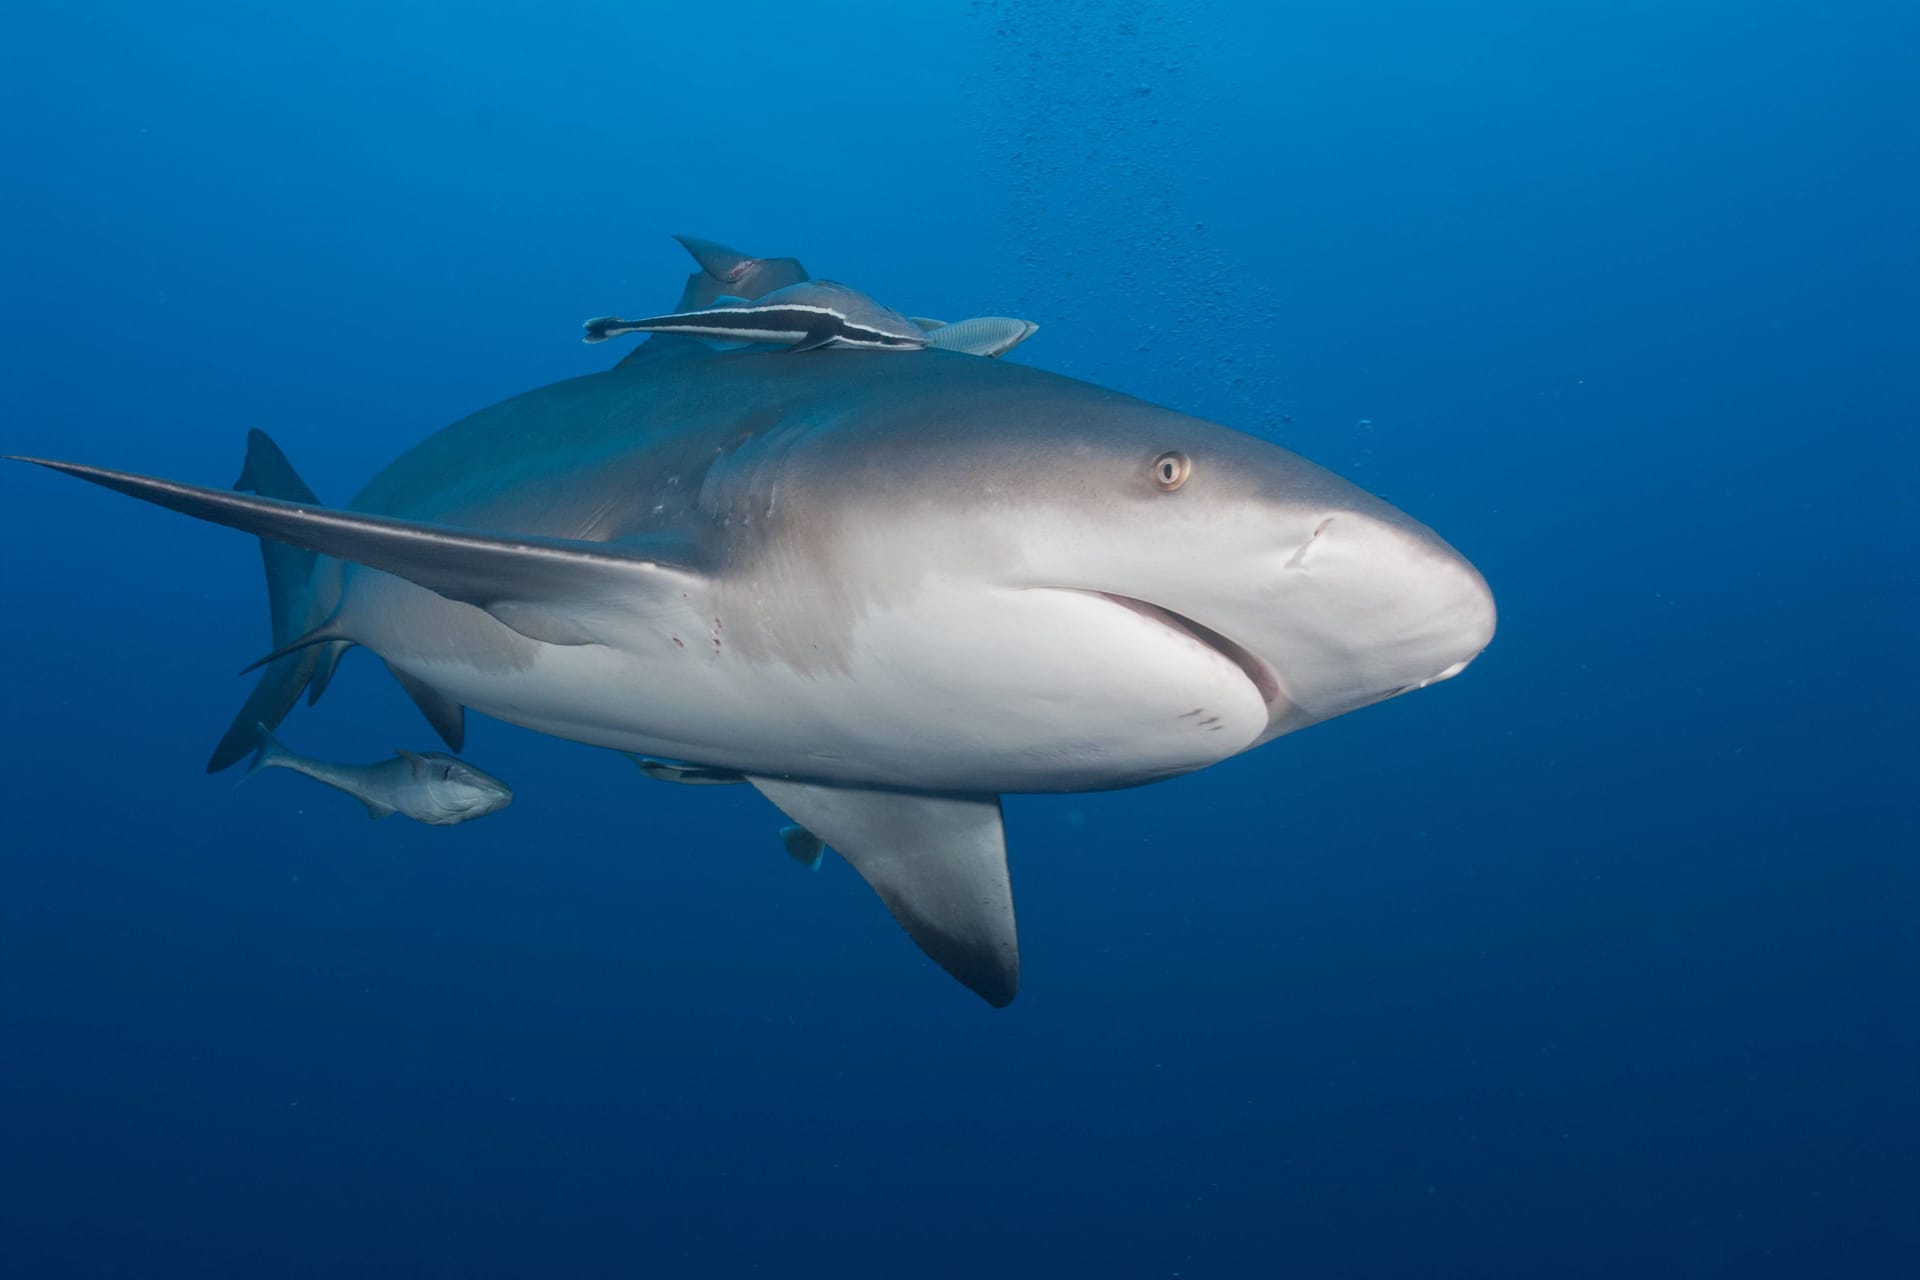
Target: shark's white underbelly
(996,690)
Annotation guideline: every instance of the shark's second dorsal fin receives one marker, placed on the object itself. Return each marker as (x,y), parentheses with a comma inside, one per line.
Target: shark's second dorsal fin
(939,862)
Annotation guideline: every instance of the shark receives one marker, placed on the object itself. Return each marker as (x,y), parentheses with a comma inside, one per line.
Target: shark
(883,589)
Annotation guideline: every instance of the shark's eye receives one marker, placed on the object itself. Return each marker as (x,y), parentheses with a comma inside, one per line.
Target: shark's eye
(1170,470)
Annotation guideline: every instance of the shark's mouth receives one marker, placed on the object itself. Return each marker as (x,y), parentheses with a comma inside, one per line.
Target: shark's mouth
(1258,673)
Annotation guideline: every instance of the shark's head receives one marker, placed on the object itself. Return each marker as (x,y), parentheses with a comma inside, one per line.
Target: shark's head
(1327,597)
(457,792)
(1323,597)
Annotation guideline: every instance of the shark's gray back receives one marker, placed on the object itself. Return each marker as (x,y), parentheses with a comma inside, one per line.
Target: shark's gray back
(626,451)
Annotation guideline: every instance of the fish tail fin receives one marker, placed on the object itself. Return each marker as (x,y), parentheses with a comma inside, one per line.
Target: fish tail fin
(301,594)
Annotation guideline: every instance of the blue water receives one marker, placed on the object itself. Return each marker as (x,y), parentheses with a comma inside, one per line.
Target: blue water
(1597,961)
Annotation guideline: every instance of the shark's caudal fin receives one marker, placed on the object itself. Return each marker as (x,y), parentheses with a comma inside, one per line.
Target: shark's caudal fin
(293,604)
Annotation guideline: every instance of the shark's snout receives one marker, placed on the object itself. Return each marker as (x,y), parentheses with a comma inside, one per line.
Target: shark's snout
(1366,605)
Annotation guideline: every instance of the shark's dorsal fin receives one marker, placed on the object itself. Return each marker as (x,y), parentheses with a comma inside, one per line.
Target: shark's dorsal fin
(725,271)
(448,717)
(939,862)
(558,590)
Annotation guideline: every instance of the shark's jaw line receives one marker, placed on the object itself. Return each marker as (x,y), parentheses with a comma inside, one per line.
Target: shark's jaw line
(1251,665)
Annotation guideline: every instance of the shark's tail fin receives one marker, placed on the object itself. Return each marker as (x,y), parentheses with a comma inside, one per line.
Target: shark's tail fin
(297,599)
(267,752)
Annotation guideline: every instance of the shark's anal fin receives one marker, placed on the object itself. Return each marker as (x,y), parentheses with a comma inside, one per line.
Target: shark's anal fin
(939,862)
(448,718)
(325,664)
(559,590)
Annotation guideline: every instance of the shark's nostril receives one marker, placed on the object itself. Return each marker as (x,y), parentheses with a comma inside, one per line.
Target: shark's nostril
(1298,560)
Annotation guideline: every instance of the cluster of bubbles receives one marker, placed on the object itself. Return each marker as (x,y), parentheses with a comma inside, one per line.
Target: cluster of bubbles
(1092,111)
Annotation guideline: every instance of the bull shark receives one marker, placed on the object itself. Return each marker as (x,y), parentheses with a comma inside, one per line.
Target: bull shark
(884,589)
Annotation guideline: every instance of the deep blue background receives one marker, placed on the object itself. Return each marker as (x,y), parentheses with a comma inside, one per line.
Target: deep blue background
(1598,961)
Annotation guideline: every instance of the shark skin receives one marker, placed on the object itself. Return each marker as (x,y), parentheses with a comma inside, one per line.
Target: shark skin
(886,590)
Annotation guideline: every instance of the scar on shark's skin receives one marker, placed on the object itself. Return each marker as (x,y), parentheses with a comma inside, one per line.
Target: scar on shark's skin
(1299,557)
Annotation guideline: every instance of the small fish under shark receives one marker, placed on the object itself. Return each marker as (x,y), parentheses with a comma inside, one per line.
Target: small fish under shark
(431,787)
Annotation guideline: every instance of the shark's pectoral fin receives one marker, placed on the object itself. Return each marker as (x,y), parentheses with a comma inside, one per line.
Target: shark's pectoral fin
(556,590)
(448,717)
(939,862)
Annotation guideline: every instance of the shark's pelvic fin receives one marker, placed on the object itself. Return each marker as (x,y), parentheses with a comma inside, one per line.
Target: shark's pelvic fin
(553,589)
(939,862)
(448,717)
(692,775)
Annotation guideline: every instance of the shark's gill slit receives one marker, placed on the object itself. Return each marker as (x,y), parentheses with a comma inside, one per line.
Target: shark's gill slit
(1258,673)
